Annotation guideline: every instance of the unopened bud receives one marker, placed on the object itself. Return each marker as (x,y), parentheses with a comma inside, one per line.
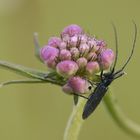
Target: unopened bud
(73,41)
(84,48)
(92,56)
(51,63)
(92,68)
(106,58)
(67,68)
(54,41)
(82,62)
(67,89)
(65,55)
(72,30)
(62,45)
(74,53)
(48,52)
(78,85)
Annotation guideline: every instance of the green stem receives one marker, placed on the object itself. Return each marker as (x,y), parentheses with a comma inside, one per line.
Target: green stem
(75,121)
(121,120)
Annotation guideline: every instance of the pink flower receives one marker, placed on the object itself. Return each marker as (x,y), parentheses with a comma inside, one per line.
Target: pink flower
(48,52)
(67,68)
(106,58)
(72,30)
(78,85)
(54,42)
(92,67)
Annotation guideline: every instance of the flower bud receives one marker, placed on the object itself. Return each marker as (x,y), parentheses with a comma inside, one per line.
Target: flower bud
(92,67)
(101,43)
(67,89)
(74,53)
(92,56)
(83,38)
(65,55)
(84,48)
(72,30)
(73,41)
(54,41)
(65,38)
(106,58)
(92,43)
(51,63)
(67,68)
(48,52)
(78,85)
(82,62)
(62,45)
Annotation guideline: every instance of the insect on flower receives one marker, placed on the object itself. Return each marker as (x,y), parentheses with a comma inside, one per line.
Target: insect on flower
(106,79)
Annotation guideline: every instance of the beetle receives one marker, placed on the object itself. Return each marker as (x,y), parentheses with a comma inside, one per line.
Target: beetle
(106,79)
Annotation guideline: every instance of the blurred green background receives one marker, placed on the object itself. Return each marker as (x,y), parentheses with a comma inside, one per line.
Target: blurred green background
(40,112)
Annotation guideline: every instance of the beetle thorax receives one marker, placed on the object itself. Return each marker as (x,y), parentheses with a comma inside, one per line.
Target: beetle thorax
(107,80)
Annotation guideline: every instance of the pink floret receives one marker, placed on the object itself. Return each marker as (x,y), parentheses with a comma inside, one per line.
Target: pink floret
(72,30)
(67,68)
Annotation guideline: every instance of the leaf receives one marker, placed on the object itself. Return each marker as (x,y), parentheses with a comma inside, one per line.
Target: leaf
(75,99)
(24,71)
(51,77)
(37,47)
(26,81)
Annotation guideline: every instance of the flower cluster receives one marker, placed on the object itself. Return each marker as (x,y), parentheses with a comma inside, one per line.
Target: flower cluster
(75,55)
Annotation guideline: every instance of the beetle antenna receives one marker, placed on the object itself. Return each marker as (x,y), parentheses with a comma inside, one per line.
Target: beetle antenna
(116,47)
(132,51)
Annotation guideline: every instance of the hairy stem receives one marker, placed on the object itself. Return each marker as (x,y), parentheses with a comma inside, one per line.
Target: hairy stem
(75,121)
(119,117)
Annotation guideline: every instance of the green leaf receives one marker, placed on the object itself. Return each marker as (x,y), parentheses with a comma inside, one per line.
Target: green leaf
(50,77)
(75,99)
(37,47)
(24,71)
(26,81)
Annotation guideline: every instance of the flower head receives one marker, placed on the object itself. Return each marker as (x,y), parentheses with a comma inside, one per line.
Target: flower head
(75,55)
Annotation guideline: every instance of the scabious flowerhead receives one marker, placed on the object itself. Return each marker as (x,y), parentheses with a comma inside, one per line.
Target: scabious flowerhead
(75,55)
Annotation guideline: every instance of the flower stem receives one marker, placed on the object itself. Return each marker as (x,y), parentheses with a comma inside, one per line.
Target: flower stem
(119,117)
(75,121)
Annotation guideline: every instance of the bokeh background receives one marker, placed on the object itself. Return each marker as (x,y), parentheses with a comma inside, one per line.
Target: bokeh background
(41,111)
